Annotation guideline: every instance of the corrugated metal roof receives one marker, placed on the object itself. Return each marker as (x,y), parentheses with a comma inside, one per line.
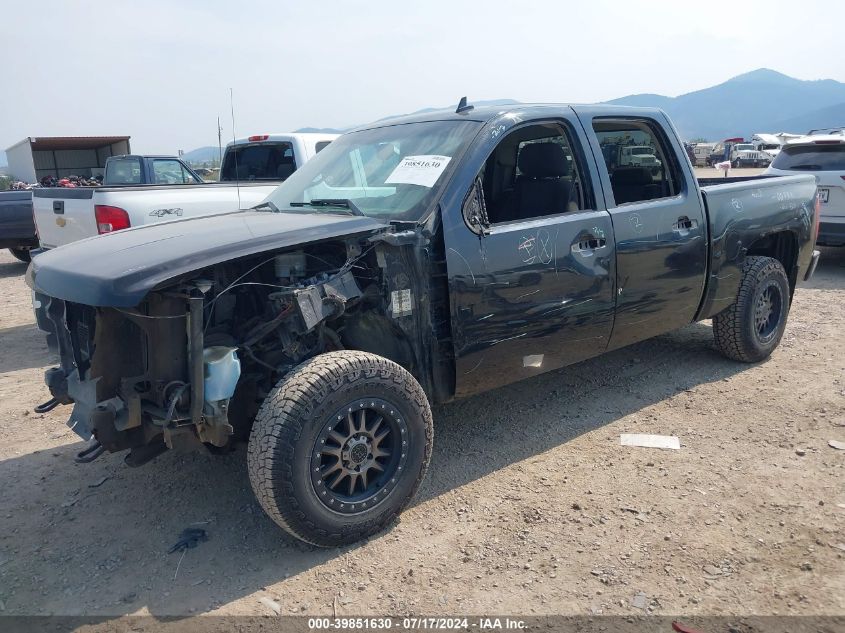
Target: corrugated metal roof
(48,143)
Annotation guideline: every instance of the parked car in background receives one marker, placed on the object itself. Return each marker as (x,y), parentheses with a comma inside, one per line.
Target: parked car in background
(414,261)
(746,155)
(134,169)
(17,228)
(824,157)
(767,143)
(639,156)
(702,152)
(143,190)
(837,130)
(17,223)
(722,151)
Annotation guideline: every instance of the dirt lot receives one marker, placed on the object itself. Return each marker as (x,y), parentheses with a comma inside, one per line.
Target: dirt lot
(531,505)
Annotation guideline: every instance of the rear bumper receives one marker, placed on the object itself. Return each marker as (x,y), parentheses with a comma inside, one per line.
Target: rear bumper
(814,261)
(18,242)
(831,234)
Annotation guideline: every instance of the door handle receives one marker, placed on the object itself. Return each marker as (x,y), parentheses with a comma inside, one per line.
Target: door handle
(58,206)
(589,243)
(684,224)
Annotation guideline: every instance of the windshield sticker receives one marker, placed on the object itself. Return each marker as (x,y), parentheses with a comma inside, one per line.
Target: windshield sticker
(418,170)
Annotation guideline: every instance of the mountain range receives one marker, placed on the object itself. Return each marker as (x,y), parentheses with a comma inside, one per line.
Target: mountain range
(762,100)
(759,101)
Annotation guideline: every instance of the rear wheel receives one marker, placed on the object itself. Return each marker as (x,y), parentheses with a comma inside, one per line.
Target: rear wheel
(340,446)
(21,254)
(752,327)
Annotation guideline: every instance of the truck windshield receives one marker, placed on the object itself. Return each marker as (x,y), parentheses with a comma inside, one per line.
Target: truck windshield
(812,158)
(743,147)
(392,172)
(258,161)
(642,151)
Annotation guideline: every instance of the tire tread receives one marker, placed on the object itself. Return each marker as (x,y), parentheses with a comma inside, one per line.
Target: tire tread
(279,425)
(729,326)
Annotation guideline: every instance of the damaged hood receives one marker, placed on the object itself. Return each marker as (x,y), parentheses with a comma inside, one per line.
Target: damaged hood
(119,269)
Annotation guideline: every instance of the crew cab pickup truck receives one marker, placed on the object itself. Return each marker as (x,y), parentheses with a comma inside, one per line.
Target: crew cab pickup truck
(17,223)
(143,190)
(413,261)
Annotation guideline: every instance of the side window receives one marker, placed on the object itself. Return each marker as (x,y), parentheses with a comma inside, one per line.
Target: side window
(168,172)
(123,171)
(532,173)
(639,161)
(321,145)
(187,178)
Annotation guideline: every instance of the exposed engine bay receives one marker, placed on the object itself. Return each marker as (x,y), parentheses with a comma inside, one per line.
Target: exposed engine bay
(192,363)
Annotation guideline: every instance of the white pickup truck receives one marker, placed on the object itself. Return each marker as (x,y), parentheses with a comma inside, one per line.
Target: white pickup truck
(639,156)
(153,189)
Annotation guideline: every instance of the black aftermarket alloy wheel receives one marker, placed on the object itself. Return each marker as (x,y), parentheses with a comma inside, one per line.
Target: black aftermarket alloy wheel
(340,446)
(752,327)
(358,455)
(767,310)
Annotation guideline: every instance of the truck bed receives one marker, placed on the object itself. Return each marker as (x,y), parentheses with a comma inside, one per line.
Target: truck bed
(737,208)
(65,215)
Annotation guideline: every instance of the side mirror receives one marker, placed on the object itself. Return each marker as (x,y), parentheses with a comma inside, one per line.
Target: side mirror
(475,211)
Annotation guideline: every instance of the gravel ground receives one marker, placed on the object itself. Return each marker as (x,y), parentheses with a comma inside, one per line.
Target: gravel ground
(531,505)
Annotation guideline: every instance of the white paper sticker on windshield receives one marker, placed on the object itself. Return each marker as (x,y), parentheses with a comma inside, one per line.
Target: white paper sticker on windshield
(418,170)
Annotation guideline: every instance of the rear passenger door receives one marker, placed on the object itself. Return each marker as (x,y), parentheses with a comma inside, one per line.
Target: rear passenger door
(658,221)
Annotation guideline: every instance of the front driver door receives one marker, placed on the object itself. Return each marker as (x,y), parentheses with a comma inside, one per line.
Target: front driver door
(532,285)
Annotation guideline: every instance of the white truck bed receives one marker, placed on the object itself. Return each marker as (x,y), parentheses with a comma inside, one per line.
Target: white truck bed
(66,215)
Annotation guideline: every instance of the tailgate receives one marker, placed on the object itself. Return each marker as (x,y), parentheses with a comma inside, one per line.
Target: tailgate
(832,195)
(150,205)
(63,215)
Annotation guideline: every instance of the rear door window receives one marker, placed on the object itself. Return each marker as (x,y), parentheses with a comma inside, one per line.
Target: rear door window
(123,171)
(638,159)
(258,161)
(812,158)
(171,172)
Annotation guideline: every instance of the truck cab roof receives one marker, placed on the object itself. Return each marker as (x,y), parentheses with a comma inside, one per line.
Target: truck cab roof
(283,136)
(145,156)
(527,111)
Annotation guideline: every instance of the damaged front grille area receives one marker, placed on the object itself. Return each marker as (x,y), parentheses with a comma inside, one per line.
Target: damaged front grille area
(192,363)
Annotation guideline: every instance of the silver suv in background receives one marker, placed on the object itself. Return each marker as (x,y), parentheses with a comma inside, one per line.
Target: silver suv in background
(824,156)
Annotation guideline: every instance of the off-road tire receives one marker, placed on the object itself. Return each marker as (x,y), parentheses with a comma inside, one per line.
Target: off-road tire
(735,328)
(21,254)
(289,423)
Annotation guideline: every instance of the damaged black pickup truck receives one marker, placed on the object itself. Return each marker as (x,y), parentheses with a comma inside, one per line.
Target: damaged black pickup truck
(411,262)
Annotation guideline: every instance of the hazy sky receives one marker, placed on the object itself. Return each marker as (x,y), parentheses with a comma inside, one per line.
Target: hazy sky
(160,70)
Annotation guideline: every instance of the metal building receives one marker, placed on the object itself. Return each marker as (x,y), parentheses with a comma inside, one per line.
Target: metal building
(35,157)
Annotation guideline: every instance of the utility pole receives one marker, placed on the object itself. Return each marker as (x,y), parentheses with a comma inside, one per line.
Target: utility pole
(219,144)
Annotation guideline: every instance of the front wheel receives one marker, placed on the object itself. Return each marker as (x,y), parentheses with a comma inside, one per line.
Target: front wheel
(21,254)
(339,447)
(752,327)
